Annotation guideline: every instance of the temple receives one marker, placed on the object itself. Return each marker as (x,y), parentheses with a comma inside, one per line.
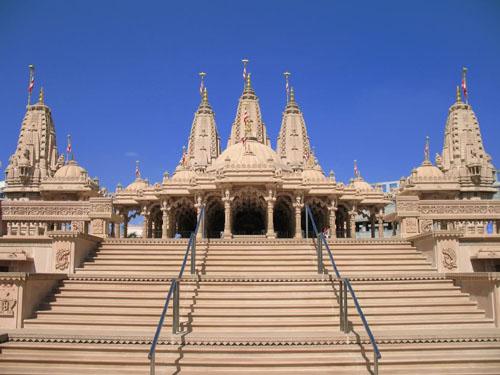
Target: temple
(268,223)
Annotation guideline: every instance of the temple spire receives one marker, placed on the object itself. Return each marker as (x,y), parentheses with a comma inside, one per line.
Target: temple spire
(292,95)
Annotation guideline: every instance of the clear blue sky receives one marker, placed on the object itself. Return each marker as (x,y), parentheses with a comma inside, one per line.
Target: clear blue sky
(372,78)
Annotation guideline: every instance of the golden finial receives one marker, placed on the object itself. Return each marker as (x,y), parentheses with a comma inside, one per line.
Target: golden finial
(459,98)
(245,62)
(292,95)
(205,95)
(41,96)
(248,83)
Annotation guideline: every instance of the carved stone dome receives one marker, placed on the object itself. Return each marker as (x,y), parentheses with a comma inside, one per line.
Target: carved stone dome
(251,154)
(138,184)
(183,174)
(360,184)
(71,170)
(427,170)
(313,174)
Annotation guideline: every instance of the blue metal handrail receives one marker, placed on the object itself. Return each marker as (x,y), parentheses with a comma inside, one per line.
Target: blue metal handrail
(321,237)
(174,290)
(363,319)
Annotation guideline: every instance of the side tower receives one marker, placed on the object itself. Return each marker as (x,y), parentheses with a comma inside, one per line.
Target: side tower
(204,140)
(35,157)
(293,145)
(464,157)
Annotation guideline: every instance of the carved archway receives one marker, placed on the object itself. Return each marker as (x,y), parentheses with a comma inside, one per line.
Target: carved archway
(249,212)
(184,217)
(284,220)
(214,219)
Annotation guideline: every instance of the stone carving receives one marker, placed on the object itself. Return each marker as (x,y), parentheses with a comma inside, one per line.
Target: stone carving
(425,225)
(62,258)
(449,257)
(7,300)
(411,225)
(97,226)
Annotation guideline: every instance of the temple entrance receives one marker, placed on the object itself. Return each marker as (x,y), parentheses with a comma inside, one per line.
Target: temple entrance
(214,219)
(249,214)
(184,214)
(319,211)
(284,221)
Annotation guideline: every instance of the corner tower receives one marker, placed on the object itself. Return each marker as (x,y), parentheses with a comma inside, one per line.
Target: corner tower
(464,156)
(36,156)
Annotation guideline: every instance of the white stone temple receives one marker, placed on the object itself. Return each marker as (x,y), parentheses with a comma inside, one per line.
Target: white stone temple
(263,288)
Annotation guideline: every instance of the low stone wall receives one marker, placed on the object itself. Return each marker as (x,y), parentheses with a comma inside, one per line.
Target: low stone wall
(484,288)
(20,295)
(59,252)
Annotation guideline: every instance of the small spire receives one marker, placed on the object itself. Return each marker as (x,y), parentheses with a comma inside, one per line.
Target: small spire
(292,95)
(459,98)
(202,82)
(427,150)
(287,85)
(356,170)
(245,62)
(41,96)
(137,170)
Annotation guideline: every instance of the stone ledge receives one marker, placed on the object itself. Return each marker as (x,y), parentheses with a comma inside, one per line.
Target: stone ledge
(22,276)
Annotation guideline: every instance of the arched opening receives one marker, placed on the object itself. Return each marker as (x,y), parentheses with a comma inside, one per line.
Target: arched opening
(342,222)
(284,221)
(155,222)
(214,219)
(184,217)
(249,214)
(319,212)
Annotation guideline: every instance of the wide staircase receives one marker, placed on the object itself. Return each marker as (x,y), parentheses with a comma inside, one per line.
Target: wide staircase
(254,306)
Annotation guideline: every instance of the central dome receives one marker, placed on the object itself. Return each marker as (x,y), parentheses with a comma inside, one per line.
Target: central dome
(249,154)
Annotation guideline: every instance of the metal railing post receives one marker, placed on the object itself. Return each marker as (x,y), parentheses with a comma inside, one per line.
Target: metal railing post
(175,311)
(193,255)
(341,304)
(307,221)
(345,318)
(319,250)
(152,364)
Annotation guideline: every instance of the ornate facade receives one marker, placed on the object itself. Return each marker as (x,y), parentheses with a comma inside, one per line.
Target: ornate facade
(248,188)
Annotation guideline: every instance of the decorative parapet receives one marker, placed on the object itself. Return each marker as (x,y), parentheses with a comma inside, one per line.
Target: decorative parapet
(44,211)
(21,293)
(447,209)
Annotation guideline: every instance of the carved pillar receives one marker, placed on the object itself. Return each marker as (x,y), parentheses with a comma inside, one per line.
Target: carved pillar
(227,214)
(495,227)
(298,209)
(145,227)
(332,216)
(199,205)
(270,214)
(380,218)
(352,223)
(117,230)
(125,225)
(165,228)
(372,225)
